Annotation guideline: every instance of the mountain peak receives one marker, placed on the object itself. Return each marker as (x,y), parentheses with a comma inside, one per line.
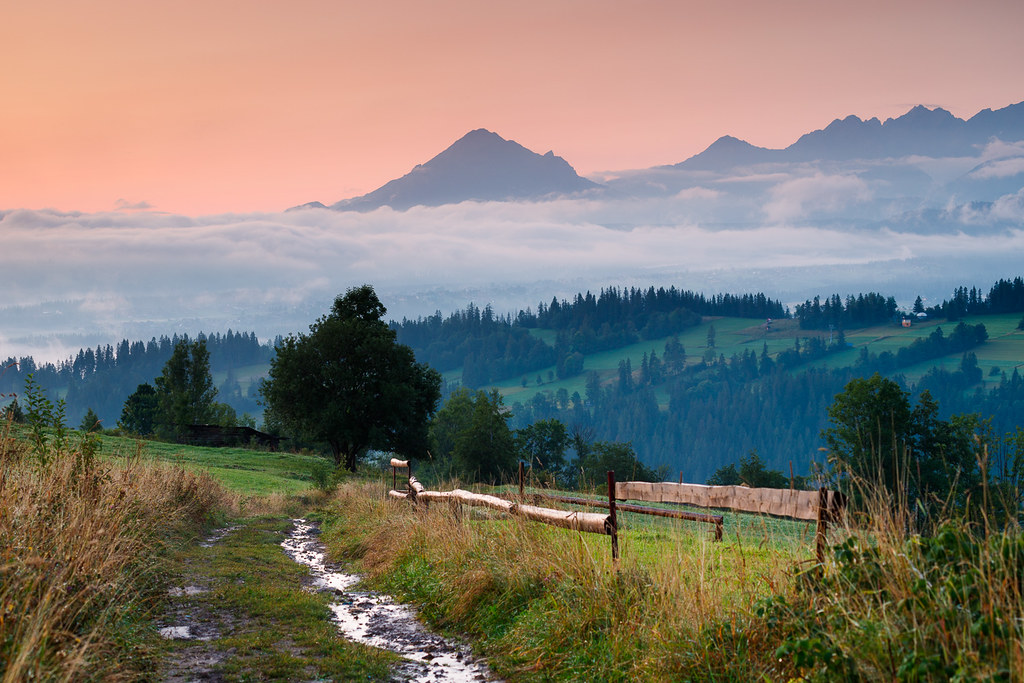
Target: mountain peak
(725,152)
(480,166)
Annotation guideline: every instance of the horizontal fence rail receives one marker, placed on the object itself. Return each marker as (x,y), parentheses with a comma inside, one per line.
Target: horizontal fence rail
(777,502)
(639,509)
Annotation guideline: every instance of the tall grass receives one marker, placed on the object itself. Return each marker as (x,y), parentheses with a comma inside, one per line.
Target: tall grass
(547,604)
(893,603)
(78,540)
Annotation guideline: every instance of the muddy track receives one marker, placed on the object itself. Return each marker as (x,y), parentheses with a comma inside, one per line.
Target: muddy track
(376,620)
(259,601)
(193,625)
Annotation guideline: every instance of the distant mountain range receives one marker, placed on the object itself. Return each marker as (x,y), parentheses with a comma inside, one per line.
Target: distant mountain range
(891,158)
(921,131)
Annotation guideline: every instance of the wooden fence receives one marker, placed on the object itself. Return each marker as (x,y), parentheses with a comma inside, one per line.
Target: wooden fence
(821,506)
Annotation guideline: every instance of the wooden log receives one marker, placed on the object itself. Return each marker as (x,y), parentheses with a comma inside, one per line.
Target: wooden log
(470,498)
(568,519)
(590,522)
(398,494)
(415,486)
(395,462)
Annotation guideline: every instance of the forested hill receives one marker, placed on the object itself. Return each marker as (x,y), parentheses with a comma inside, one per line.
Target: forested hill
(102,378)
(697,382)
(490,348)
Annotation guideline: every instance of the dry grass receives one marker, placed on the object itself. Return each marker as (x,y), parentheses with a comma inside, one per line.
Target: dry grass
(78,540)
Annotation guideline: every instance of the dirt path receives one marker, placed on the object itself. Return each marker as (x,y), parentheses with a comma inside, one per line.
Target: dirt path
(239,612)
(258,602)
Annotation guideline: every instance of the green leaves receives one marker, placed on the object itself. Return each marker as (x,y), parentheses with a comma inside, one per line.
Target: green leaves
(349,383)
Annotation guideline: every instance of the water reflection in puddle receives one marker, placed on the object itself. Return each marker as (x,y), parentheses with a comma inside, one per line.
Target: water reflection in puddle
(376,620)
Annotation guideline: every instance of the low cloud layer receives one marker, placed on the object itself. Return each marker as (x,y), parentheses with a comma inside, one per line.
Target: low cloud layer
(132,272)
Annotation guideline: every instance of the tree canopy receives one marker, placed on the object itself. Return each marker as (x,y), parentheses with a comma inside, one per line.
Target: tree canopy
(350,384)
(879,444)
(184,390)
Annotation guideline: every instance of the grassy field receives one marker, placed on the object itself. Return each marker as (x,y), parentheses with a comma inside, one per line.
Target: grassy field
(247,472)
(544,604)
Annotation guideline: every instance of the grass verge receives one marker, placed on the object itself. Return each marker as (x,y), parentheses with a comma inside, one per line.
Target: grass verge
(545,603)
(80,547)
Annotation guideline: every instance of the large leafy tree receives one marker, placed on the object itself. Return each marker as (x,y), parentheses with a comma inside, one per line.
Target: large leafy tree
(871,432)
(485,450)
(350,384)
(543,444)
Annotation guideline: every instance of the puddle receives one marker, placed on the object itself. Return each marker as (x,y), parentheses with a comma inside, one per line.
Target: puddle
(216,535)
(182,633)
(377,620)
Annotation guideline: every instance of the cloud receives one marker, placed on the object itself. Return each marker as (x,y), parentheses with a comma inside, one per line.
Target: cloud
(1009,207)
(698,193)
(797,198)
(125,205)
(1000,168)
(144,274)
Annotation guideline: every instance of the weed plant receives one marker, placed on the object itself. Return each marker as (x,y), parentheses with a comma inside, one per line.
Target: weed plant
(895,604)
(79,538)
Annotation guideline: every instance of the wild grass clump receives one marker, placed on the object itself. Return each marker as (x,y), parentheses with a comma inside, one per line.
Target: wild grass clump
(547,603)
(896,606)
(78,540)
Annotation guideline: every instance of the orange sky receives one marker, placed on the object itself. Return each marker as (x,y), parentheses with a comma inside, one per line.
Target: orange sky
(257,105)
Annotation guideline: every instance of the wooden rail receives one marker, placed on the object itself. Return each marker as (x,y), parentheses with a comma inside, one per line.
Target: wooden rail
(639,509)
(821,506)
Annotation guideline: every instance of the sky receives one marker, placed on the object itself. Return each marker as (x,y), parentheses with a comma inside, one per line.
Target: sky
(202,107)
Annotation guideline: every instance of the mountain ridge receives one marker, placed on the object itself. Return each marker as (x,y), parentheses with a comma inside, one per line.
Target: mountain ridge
(479,166)
(921,131)
(483,166)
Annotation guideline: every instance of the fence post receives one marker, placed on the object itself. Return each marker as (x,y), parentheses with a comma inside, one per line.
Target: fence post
(521,477)
(611,516)
(394,476)
(819,536)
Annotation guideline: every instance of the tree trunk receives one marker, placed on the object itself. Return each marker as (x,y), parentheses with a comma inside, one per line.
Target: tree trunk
(336,452)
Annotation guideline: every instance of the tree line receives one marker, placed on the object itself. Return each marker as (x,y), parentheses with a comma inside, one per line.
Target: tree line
(490,348)
(101,379)
(1005,296)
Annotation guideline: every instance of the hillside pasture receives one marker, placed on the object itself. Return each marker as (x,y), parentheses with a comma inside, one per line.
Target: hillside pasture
(244,471)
